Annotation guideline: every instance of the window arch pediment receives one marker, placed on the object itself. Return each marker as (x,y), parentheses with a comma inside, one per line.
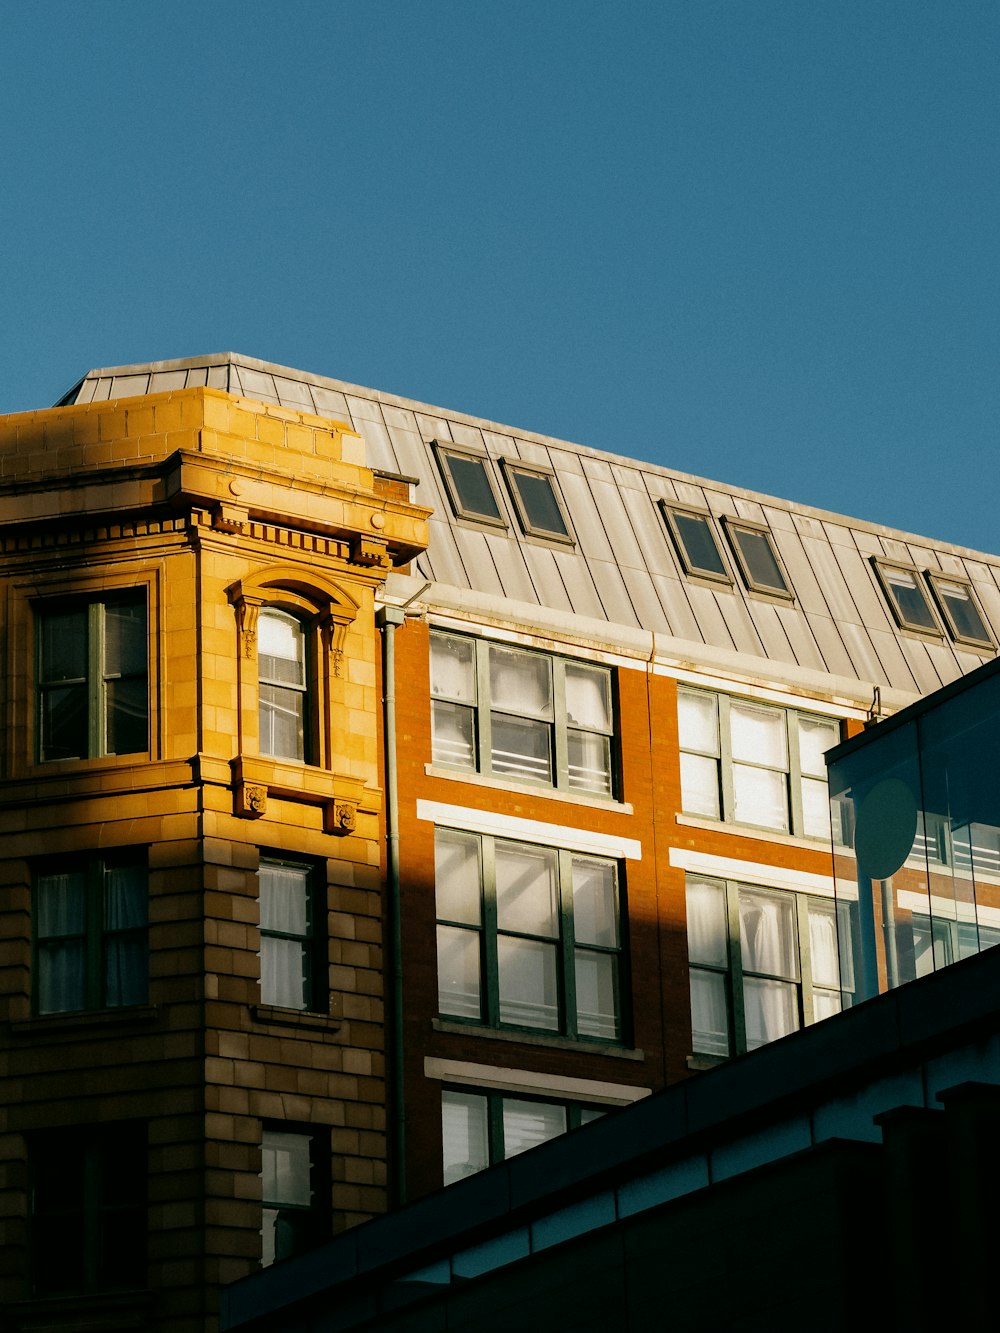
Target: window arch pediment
(311,596)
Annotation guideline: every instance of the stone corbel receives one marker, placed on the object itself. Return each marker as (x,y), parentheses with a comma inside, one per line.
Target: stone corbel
(249,800)
(340,817)
(247,612)
(370,551)
(230,517)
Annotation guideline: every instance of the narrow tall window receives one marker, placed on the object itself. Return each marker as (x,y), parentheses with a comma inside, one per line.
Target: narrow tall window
(294,1216)
(90,935)
(281,656)
(87,1210)
(93,693)
(288,961)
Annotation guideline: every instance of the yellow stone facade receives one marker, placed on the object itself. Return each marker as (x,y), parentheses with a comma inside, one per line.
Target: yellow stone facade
(213,507)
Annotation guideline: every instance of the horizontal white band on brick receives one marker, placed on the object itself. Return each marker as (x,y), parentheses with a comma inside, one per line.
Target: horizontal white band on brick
(530,830)
(527,1081)
(948,908)
(752,872)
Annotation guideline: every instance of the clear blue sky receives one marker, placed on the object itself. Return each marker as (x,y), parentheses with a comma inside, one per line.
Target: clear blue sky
(751,239)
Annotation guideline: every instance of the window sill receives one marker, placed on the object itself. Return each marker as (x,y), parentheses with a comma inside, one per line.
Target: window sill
(308,1019)
(537,1039)
(699,1063)
(85,1018)
(755,832)
(527,788)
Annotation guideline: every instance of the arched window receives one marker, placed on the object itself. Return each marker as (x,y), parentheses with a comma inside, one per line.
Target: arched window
(282,677)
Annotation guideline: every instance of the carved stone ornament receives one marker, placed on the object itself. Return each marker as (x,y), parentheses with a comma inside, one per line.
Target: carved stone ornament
(345,818)
(251,800)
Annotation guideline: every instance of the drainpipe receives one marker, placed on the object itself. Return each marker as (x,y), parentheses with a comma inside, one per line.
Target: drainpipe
(388,619)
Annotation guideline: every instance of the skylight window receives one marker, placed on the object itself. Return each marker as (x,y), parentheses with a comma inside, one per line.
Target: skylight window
(907,598)
(697,548)
(963,616)
(758,560)
(539,507)
(470,489)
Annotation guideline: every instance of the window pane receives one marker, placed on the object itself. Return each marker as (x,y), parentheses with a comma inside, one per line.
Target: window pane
(61,904)
(963,611)
(914,610)
(816,736)
(127,711)
(63,645)
(767,933)
(760,796)
(540,505)
(464,1134)
(527,889)
(815,808)
(589,762)
(700,785)
(521,748)
(762,567)
(280,648)
(284,898)
(453,668)
(758,735)
(588,697)
(527,1124)
(595,914)
(285,1169)
(823,944)
(64,723)
(709,1013)
(282,972)
(528,991)
(520,683)
(458,972)
(771,1009)
(125,651)
(596,994)
(62,978)
(475,495)
(707,923)
(457,877)
(282,722)
(698,721)
(454,734)
(699,543)
(826,1003)
(125,969)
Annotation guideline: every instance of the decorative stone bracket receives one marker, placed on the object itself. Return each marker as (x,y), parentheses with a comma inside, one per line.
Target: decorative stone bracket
(255,779)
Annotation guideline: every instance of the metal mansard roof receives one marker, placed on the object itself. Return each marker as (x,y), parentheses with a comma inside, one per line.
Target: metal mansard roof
(622,567)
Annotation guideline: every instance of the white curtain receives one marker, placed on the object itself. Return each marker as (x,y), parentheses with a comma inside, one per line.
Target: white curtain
(60,925)
(125,909)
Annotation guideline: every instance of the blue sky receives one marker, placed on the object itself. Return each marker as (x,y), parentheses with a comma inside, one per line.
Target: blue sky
(755,240)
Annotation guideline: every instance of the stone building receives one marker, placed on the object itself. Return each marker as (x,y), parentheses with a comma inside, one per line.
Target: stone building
(387,791)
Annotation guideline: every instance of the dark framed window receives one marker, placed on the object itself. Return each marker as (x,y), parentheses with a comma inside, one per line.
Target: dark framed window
(93,686)
(294,1192)
(757,557)
(751,763)
(291,966)
(763,963)
(528,936)
(695,542)
(90,934)
(480,1128)
(540,510)
(961,611)
(282,681)
(469,484)
(907,598)
(521,715)
(87,1210)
